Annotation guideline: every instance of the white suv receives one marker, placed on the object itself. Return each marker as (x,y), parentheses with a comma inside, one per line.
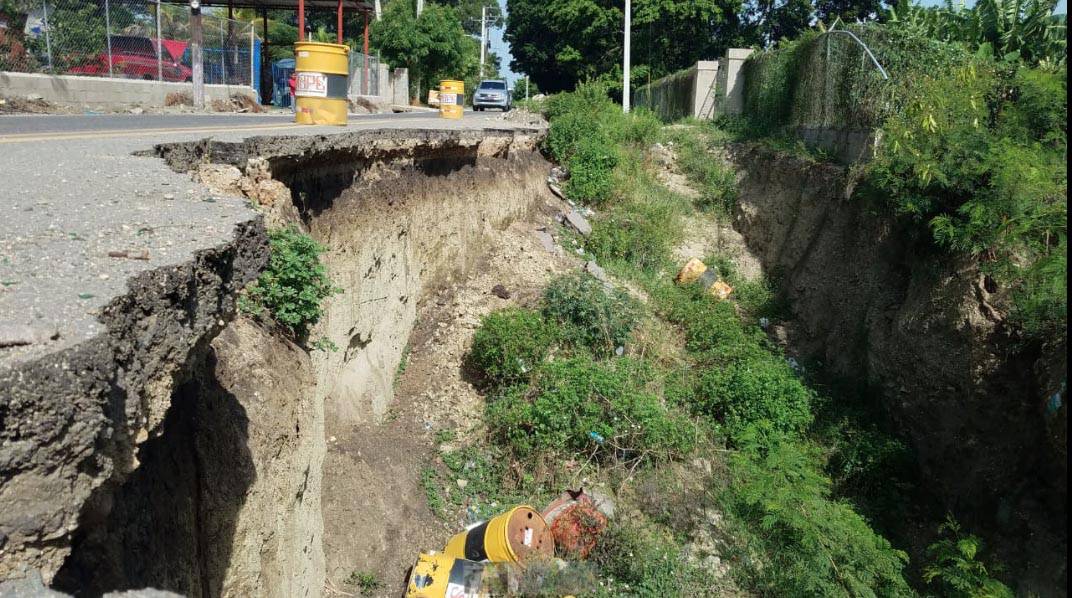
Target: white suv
(492,93)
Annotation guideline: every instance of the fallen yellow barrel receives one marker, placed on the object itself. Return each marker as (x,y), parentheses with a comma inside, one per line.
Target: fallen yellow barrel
(442,576)
(322,76)
(696,271)
(511,537)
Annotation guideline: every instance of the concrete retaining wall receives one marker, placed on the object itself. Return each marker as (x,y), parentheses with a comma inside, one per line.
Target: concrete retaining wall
(684,93)
(99,91)
(729,86)
(708,88)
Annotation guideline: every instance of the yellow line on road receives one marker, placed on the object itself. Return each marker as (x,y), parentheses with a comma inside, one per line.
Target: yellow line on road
(107,134)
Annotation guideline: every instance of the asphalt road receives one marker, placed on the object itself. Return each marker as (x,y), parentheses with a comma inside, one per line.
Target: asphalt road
(72,189)
(21,128)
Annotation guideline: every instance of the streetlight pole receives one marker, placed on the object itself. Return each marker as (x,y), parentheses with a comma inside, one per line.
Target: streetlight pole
(625,59)
(483,36)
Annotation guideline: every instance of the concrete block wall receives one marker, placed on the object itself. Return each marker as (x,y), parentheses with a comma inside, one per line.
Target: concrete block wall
(399,85)
(729,89)
(704,90)
(70,90)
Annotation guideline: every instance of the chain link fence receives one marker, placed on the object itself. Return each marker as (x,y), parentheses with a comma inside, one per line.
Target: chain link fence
(131,39)
(364,74)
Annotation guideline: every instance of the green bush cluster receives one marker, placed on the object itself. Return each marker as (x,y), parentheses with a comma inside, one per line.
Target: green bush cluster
(795,537)
(294,285)
(590,315)
(956,569)
(754,390)
(812,544)
(576,405)
(974,146)
(589,134)
(509,345)
(980,157)
(645,561)
(639,232)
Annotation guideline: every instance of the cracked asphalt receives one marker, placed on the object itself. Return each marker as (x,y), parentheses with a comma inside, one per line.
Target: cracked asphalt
(71,192)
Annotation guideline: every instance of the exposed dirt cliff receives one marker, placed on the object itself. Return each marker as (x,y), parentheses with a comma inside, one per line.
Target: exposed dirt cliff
(877,304)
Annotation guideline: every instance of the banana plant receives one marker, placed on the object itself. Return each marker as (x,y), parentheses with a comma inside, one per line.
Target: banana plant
(1028,29)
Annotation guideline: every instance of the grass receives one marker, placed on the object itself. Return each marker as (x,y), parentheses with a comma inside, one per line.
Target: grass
(366,582)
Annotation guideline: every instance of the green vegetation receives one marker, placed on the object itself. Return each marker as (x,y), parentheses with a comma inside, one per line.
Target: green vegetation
(1028,29)
(974,142)
(293,286)
(576,405)
(955,568)
(366,582)
(589,315)
(510,344)
(698,380)
(433,47)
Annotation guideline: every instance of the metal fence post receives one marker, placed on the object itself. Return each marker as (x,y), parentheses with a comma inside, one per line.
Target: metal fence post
(48,36)
(159,46)
(108,36)
(223,55)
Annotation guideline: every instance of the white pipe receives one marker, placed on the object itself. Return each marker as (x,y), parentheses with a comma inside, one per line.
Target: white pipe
(483,36)
(625,58)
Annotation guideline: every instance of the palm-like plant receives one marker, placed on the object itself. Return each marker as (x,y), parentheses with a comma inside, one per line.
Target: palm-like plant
(1028,28)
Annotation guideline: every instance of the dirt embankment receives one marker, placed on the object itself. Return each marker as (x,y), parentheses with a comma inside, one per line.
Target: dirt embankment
(254,467)
(876,303)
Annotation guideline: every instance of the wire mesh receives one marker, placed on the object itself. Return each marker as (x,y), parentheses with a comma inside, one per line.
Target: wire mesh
(131,39)
(364,74)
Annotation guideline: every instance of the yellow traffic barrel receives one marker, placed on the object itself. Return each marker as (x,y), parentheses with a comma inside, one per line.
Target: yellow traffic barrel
(323,79)
(511,537)
(451,98)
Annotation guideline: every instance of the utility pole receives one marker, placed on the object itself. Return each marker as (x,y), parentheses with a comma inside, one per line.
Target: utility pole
(196,57)
(483,36)
(625,59)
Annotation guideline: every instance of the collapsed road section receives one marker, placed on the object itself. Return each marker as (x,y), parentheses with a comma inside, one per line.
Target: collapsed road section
(153,439)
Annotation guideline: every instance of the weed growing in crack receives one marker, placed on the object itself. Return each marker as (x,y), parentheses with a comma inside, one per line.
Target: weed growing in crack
(293,287)
(366,582)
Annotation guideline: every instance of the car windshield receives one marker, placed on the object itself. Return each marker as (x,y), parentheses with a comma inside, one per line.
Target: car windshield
(492,85)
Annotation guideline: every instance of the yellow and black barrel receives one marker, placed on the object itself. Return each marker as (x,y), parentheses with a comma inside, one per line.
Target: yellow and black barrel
(323,80)
(511,537)
(451,98)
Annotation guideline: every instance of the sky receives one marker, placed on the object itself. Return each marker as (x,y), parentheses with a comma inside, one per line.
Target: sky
(500,47)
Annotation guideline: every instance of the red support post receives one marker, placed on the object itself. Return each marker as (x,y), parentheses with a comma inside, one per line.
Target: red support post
(364,80)
(340,21)
(301,20)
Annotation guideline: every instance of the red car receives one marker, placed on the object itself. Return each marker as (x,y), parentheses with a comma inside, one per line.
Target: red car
(134,57)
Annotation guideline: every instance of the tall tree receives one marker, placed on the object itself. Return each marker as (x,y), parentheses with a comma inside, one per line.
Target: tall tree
(469,12)
(849,11)
(432,47)
(559,43)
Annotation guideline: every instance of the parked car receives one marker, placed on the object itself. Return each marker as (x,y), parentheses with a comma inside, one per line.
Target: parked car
(492,93)
(134,57)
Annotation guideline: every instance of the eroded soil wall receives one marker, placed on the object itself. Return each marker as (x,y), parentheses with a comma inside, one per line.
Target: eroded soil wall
(239,487)
(877,304)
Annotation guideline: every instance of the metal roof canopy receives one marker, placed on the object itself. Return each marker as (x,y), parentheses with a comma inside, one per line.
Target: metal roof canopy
(359,5)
